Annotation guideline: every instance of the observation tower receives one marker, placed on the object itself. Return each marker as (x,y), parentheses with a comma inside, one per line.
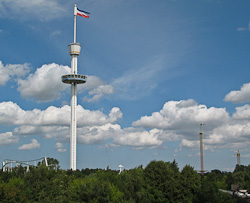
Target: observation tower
(73,79)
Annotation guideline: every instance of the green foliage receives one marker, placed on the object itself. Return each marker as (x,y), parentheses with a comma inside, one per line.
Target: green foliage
(133,185)
(163,182)
(208,192)
(239,179)
(240,168)
(159,182)
(94,189)
(190,181)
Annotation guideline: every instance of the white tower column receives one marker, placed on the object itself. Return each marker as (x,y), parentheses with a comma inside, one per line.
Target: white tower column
(73,127)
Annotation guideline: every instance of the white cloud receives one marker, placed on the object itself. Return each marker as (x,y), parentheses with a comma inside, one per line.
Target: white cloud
(244,28)
(11,71)
(135,137)
(8,138)
(243,95)
(177,120)
(97,134)
(59,147)
(97,89)
(24,9)
(189,144)
(99,92)
(126,137)
(92,83)
(181,119)
(62,150)
(45,84)
(183,116)
(242,112)
(55,33)
(34,144)
(233,135)
(138,138)
(12,114)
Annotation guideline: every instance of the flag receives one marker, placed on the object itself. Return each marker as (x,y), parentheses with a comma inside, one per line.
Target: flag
(82,13)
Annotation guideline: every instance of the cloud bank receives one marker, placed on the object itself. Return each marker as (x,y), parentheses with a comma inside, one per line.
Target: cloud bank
(43,10)
(12,71)
(33,145)
(45,83)
(240,96)
(176,121)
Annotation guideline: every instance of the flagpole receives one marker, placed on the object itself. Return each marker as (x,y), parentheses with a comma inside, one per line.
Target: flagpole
(75,11)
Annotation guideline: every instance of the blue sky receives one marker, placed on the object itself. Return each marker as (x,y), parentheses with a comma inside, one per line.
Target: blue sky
(156,70)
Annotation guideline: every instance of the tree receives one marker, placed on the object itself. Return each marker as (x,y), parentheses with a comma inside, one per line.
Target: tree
(208,192)
(190,181)
(240,168)
(90,189)
(13,191)
(163,181)
(132,184)
(239,179)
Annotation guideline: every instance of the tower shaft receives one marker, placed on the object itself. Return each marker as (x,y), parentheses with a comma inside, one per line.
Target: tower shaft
(73,127)
(238,158)
(201,154)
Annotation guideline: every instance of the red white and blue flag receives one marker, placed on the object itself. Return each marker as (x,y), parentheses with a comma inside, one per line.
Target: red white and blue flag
(82,13)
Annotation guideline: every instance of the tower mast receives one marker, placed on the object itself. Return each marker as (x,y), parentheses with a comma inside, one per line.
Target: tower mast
(73,79)
(201,152)
(238,158)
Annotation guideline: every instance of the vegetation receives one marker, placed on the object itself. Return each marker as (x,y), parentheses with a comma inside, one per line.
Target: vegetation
(159,181)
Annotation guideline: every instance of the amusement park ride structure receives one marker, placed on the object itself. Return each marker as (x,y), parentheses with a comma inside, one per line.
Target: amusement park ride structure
(9,165)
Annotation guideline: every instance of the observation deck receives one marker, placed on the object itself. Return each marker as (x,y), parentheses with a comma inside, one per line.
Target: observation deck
(74,78)
(74,48)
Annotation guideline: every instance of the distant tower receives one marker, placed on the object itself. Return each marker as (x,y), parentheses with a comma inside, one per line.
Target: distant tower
(238,158)
(73,79)
(201,152)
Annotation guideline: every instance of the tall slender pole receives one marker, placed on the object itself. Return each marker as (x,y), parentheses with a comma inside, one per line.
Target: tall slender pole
(75,11)
(238,158)
(201,151)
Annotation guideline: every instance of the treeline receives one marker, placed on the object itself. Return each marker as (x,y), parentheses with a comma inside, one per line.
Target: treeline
(158,182)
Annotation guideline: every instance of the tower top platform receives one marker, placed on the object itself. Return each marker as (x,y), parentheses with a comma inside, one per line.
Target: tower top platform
(74,48)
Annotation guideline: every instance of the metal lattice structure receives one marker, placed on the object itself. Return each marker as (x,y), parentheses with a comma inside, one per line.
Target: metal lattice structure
(9,165)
